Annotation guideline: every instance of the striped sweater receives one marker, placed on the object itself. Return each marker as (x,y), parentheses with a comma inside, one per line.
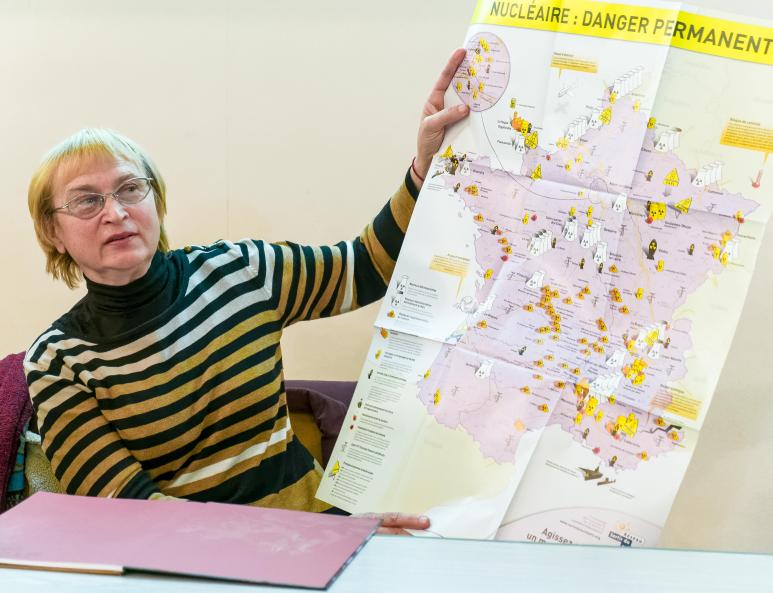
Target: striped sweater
(190,401)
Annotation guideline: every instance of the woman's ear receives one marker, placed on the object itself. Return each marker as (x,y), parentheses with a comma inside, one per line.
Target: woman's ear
(53,235)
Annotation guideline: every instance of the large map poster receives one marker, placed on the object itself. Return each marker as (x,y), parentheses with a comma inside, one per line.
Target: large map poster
(572,276)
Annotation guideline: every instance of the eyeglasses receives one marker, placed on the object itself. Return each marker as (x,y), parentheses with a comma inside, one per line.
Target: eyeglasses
(89,205)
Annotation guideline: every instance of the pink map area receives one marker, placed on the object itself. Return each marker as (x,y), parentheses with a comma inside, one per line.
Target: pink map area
(586,306)
(607,153)
(495,404)
(600,427)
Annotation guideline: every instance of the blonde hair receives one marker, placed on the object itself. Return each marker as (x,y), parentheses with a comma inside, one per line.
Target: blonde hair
(68,157)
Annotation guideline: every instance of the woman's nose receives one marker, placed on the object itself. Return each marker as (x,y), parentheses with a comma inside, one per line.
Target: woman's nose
(113,208)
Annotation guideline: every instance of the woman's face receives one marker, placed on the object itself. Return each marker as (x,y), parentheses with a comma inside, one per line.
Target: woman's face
(117,245)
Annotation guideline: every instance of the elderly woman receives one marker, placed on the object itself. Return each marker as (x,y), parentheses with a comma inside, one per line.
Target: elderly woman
(166,378)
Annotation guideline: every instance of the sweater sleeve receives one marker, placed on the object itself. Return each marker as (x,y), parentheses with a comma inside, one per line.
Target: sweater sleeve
(87,455)
(311,282)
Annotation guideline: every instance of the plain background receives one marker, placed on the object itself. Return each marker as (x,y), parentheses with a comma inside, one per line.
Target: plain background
(296,120)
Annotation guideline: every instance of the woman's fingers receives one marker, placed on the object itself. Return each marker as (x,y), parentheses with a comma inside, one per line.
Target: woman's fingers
(442,119)
(445,78)
(404,521)
(397,523)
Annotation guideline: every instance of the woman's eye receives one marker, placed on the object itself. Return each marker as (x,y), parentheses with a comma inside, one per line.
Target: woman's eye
(86,201)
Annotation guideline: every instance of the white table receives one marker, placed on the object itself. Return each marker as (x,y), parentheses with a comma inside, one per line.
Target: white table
(393,564)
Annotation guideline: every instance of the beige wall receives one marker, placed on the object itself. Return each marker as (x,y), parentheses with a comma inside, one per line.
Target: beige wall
(295,121)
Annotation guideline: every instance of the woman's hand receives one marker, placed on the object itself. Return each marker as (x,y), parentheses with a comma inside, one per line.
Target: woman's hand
(397,523)
(435,118)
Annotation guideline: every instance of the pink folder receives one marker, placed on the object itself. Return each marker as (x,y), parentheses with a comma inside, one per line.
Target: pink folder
(214,540)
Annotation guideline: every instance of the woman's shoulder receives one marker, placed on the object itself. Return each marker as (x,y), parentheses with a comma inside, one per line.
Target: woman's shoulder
(220,251)
(54,343)
(254,256)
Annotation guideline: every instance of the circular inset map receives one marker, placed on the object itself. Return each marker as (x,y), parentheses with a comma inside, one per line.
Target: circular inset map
(482,78)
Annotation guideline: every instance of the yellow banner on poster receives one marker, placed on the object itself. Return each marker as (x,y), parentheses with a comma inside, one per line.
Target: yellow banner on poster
(451,264)
(644,24)
(567,62)
(749,135)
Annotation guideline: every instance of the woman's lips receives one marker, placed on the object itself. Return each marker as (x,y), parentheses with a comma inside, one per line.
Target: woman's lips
(119,238)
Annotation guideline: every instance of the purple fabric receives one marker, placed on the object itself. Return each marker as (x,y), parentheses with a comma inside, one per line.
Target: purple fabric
(326,401)
(15,411)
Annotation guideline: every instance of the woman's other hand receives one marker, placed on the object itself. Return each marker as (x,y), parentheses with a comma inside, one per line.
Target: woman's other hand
(397,523)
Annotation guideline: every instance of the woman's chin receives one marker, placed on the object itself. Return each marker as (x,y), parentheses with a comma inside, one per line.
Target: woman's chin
(124,267)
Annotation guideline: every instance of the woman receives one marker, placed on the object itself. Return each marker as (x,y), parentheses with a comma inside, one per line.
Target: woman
(166,379)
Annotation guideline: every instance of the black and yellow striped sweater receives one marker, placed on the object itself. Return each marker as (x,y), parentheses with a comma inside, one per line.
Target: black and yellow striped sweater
(173,384)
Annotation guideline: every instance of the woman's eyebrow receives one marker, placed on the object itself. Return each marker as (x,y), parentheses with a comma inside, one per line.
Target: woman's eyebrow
(117,183)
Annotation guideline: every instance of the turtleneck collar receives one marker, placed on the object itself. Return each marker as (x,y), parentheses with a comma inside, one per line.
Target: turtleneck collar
(132,297)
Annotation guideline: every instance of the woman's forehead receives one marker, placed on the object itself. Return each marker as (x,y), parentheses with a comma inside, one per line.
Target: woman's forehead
(73,169)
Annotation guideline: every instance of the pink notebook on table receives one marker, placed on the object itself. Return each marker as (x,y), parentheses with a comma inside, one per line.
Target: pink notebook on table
(214,540)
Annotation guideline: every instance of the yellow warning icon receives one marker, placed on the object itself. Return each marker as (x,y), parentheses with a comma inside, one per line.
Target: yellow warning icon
(537,173)
(683,205)
(672,178)
(629,425)
(448,153)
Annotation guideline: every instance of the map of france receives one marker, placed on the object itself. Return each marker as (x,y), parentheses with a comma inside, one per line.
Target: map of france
(579,292)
